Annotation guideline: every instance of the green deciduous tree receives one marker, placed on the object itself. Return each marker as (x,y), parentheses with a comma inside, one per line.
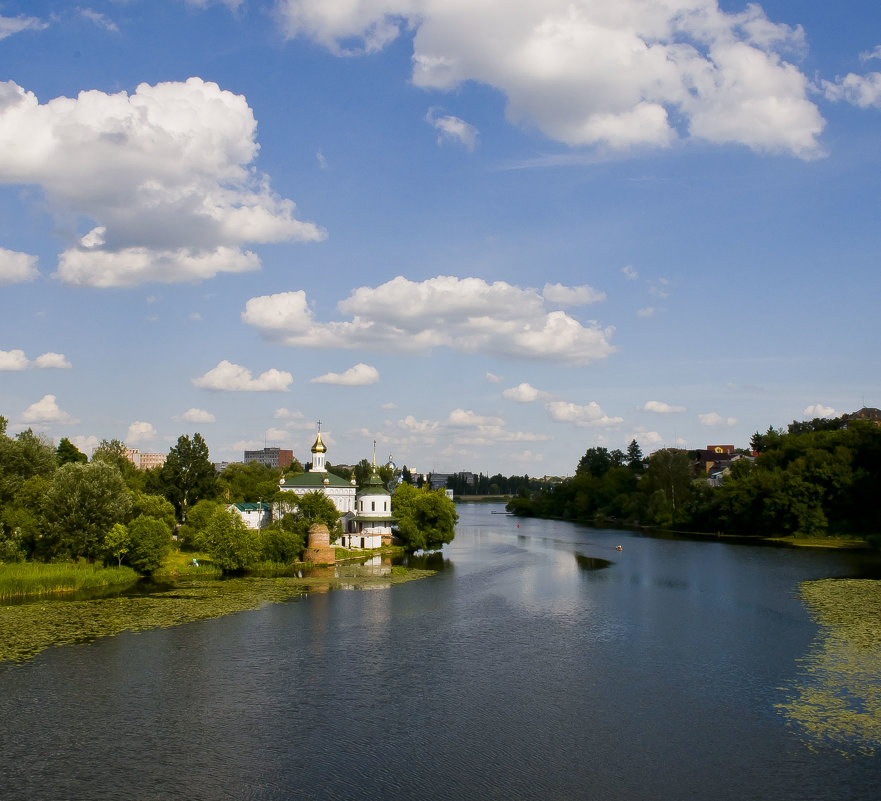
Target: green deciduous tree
(231,545)
(425,519)
(188,475)
(249,483)
(81,506)
(316,507)
(117,542)
(667,481)
(150,541)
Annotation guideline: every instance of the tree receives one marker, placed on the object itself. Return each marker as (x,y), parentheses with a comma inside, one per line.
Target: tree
(231,545)
(316,507)
(283,540)
(67,452)
(596,462)
(197,520)
(668,482)
(150,542)
(425,519)
(634,456)
(153,506)
(113,452)
(117,542)
(187,475)
(249,483)
(22,458)
(81,506)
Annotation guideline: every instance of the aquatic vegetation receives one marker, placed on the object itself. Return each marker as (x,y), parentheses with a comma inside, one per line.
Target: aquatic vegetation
(30,628)
(22,579)
(837,701)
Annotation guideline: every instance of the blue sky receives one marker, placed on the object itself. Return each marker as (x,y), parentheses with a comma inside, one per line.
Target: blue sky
(488,235)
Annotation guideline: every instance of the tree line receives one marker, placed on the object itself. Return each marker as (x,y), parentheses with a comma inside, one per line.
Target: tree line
(57,505)
(818,478)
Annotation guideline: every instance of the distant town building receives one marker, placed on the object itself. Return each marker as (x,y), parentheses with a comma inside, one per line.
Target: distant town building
(145,461)
(254,515)
(271,457)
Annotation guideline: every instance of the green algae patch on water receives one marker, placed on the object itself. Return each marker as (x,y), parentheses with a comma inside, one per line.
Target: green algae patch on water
(27,629)
(836,701)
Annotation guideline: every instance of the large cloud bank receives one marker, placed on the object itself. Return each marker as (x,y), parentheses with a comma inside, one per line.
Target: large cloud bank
(592,72)
(153,186)
(468,315)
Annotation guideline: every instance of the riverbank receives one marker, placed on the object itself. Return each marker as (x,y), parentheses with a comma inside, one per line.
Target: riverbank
(31,627)
(36,579)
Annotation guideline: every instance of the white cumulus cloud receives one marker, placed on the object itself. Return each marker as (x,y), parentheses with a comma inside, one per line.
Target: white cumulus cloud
(659,407)
(231,377)
(195,416)
(46,412)
(863,91)
(165,175)
(17,267)
(819,410)
(452,129)
(715,419)
(613,75)
(583,416)
(572,295)
(468,315)
(13,360)
(50,360)
(524,393)
(16,360)
(358,376)
(140,431)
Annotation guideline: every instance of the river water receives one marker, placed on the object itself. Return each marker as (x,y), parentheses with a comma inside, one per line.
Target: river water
(539,663)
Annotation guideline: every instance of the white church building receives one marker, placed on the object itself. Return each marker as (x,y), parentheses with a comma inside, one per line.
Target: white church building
(365,515)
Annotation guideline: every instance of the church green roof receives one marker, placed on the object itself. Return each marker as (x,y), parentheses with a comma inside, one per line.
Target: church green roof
(314,480)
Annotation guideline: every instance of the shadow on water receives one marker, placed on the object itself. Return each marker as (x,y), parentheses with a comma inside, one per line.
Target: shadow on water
(425,560)
(591,562)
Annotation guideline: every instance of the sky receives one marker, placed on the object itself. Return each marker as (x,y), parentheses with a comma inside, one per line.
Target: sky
(488,235)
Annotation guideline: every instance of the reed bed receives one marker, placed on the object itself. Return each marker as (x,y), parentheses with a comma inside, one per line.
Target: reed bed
(22,579)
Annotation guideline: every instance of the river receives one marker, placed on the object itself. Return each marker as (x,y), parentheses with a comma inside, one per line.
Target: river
(539,663)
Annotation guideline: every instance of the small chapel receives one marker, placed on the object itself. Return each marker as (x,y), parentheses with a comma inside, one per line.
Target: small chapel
(365,514)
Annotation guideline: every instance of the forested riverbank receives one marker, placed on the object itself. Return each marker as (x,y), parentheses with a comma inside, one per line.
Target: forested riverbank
(818,479)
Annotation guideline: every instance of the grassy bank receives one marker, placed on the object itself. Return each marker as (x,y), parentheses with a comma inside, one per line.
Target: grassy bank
(31,627)
(23,579)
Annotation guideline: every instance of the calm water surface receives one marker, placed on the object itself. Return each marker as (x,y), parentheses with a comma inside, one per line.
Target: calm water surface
(540,663)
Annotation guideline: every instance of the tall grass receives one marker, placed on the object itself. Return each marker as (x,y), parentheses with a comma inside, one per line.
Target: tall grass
(35,578)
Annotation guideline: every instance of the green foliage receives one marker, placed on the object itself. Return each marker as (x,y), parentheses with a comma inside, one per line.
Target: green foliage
(67,452)
(197,520)
(667,481)
(424,519)
(339,470)
(152,506)
(316,507)
(282,541)
(231,545)
(150,540)
(112,452)
(33,578)
(249,483)
(80,507)
(22,458)
(634,456)
(187,475)
(117,542)
(815,481)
